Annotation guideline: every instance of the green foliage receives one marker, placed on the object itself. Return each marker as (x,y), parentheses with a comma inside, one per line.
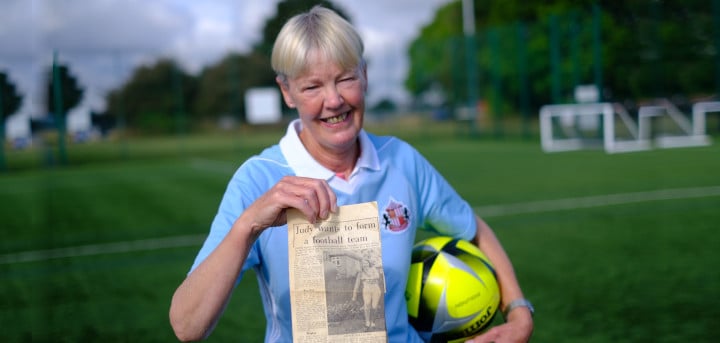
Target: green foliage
(384,106)
(648,49)
(161,96)
(10,100)
(657,48)
(70,90)
(221,87)
(155,94)
(436,51)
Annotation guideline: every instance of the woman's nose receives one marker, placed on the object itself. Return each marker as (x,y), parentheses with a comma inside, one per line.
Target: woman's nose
(333,98)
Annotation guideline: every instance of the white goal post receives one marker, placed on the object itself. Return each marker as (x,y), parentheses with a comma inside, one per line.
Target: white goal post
(699,111)
(567,127)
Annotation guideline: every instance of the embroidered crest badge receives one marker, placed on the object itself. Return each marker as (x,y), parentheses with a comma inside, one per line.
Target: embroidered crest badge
(396,217)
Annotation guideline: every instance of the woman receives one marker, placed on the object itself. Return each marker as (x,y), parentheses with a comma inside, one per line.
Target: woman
(368,279)
(324,160)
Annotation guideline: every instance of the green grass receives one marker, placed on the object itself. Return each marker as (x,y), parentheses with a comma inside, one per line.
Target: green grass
(638,272)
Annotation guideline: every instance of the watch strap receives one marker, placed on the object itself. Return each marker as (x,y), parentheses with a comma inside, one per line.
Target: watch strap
(518,303)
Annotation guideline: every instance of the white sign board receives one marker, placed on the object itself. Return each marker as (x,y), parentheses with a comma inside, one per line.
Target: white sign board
(262,105)
(586,94)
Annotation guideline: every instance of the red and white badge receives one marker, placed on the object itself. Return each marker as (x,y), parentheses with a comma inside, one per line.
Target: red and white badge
(396,216)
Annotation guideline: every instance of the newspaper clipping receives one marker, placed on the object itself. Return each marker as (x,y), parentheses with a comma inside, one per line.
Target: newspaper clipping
(337,285)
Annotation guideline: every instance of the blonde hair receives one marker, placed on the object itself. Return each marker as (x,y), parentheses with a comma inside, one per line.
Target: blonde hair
(319,30)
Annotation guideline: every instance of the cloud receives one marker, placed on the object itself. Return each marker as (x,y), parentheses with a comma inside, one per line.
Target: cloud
(103,40)
(387,28)
(400,19)
(109,26)
(17,29)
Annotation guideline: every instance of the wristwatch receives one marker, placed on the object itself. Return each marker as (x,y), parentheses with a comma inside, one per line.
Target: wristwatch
(518,303)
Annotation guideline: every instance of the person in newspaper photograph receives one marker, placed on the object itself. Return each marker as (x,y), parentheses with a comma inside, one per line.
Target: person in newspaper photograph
(348,300)
(369,280)
(325,160)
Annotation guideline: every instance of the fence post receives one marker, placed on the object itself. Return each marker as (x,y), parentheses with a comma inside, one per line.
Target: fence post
(523,83)
(597,50)
(496,72)
(555,59)
(60,115)
(468,8)
(716,21)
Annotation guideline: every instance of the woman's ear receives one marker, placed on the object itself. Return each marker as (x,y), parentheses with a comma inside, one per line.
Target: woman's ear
(285,90)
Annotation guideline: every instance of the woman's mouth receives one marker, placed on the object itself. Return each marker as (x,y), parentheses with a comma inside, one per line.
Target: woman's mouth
(336,119)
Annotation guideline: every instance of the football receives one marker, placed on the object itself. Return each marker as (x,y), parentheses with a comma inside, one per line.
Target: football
(452,293)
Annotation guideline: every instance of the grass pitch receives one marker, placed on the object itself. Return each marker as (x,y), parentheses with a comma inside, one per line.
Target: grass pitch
(639,270)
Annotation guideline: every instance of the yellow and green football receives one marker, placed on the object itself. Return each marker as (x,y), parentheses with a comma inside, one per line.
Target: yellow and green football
(452,292)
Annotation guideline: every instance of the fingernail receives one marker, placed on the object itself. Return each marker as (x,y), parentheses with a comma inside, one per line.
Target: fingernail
(324,214)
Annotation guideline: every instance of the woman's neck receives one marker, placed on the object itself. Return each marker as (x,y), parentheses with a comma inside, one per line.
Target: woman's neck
(339,161)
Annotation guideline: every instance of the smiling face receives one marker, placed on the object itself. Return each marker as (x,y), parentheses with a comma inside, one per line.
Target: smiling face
(330,102)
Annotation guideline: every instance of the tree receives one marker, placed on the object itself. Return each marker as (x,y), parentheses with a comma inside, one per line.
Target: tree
(386,105)
(433,54)
(438,55)
(221,87)
(10,100)
(156,98)
(660,48)
(70,91)
(63,94)
(649,48)
(9,104)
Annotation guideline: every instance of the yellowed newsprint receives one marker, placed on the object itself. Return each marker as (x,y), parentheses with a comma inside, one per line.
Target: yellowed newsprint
(337,285)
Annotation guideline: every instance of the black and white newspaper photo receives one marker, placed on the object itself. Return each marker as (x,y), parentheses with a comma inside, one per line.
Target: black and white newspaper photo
(337,285)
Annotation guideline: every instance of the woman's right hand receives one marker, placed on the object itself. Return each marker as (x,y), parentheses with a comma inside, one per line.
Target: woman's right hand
(313,197)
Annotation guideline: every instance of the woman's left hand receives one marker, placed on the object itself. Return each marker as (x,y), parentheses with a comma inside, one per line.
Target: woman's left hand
(518,329)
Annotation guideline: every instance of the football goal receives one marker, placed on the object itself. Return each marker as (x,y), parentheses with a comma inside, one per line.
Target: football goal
(609,126)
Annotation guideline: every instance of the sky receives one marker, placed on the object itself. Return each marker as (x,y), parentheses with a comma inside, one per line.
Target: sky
(103,40)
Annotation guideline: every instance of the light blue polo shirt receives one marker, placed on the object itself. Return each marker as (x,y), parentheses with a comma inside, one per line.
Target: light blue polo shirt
(410,194)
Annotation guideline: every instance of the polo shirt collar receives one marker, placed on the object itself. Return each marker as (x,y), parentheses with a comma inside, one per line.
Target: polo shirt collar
(300,160)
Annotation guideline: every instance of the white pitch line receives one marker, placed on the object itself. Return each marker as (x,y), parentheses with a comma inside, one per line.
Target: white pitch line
(596,201)
(484,211)
(100,249)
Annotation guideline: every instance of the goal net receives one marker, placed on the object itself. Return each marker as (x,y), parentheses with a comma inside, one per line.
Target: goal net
(609,126)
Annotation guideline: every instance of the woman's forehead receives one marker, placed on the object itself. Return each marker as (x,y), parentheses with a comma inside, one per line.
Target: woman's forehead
(320,68)
(319,59)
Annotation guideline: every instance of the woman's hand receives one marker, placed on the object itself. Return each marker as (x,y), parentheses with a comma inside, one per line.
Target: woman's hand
(203,295)
(517,329)
(313,197)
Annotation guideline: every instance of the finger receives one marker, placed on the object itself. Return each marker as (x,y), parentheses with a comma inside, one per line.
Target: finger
(332,197)
(306,194)
(320,197)
(289,193)
(327,201)
(307,203)
(313,197)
